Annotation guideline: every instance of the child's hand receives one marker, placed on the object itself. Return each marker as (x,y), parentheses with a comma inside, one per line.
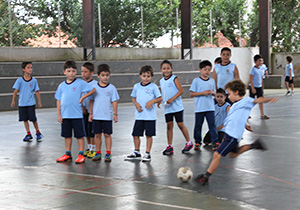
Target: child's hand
(81,100)
(115,118)
(253,90)
(40,105)
(291,77)
(90,117)
(138,107)
(273,100)
(213,93)
(149,105)
(158,104)
(208,92)
(248,128)
(169,101)
(59,118)
(12,104)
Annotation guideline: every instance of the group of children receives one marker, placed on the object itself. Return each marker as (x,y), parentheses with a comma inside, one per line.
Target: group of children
(89,107)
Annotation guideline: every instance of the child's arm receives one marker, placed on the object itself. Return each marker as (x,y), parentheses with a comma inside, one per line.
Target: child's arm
(220,127)
(179,93)
(261,100)
(227,109)
(14,98)
(115,107)
(153,101)
(204,93)
(214,76)
(91,105)
(291,77)
(251,83)
(236,73)
(137,105)
(87,95)
(59,118)
(37,93)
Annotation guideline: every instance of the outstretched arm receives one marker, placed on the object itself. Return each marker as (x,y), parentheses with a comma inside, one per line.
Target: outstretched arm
(261,100)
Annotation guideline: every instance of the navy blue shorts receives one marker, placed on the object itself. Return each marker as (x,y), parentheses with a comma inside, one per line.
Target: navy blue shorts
(27,113)
(72,124)
(229,144)
(178,116)
(102,126)
(259,92)
(88,126)
(144,125)
(287,79)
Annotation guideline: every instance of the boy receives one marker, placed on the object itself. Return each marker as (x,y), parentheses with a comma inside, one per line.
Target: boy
(101,112)
(203,89)
(144,95)
(69,111)
(234,126)
(256,82)
(225,71)
(221,109)
(87,71)
(27,85)
(289,76)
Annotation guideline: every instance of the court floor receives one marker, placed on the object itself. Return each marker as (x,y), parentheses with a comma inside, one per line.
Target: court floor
(30,178)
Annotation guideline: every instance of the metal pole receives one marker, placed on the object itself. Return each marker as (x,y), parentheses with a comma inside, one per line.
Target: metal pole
(10,31)
(59,31)
(211,33)
(240,28)
(142,20)
(100,27)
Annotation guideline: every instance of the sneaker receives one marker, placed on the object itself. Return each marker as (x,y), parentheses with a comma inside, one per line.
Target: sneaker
(216,146)
(97,157)
(259,145)
(107,158)
(39,137)
(86,153)
(264,117)
(168,151)
(202,179)
(187,148)
(64,158)
(287,92)
(80,159)
(133,156)
(28,138)
(197,146)
(146,158)
(91,154)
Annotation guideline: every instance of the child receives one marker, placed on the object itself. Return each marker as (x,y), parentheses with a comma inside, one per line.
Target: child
(203,89)
(218,60)
(171,94)
(27,85)
(69,111)
(101,112)
(234,126)
(144,95)
(87,71)
(221,109)
(289,76)
(264,69)
(256,81)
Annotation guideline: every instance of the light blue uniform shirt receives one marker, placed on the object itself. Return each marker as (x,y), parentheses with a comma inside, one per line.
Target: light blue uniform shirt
(103,98)
(257,76)
(287,70)
(69,94)
(168,90)
(237,117)
(143,94)
(220,114)
(203,103)
(26,91)
(224,74)
(86,101)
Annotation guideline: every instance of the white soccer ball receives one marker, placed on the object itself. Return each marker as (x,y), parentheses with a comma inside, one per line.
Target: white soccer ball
(184,174)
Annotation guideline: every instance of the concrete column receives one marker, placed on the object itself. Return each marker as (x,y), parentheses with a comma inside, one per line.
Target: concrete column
(264,30)
(186,27)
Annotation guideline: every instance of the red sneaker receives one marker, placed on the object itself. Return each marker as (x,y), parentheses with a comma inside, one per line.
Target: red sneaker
(80,159)
(64,158)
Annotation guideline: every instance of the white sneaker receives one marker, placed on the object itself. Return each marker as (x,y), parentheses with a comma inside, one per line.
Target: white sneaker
(146,158)
(287,92)
(133,156)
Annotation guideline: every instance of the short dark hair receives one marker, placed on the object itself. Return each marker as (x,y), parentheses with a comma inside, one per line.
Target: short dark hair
(225,49)
(70,64)
(24,64)
(89,66)
(257,57)
(167,62)
(222,91)
(204,63)
(145,69)
(289,58)
(236,85)
(103,68)
(218,60)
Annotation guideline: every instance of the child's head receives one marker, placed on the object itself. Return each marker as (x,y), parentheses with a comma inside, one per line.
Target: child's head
(87,70)
(205,68)
(236,89)
(70,69)
(289,58)
(218,60)
(103,73)
(225,54)
(166,68)
(146,74)
(27,67)
(258,60)
(221,96)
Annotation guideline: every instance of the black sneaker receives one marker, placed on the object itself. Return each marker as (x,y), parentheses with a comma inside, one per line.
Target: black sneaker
(146,158)
(287,92)
(168,151)
(133,156)
(215,146)
(259,145)
(28,138)
(202,179)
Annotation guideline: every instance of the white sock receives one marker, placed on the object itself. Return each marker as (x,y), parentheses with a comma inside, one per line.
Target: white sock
(93,147)
(90,147)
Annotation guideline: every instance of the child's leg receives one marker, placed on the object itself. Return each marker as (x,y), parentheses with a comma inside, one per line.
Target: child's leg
(26,124)
(108,142)
(210,117)
(261,108)
(292,87)
(98,141)
(214,163)
(36,125)
(137,143)
(80,144)
(198,127)
(287,86)
(241,150)
(149,143)
(170,126)
(68,143)
(184,131)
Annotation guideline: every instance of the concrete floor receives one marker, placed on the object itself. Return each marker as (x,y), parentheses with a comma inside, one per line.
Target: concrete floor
(31,178)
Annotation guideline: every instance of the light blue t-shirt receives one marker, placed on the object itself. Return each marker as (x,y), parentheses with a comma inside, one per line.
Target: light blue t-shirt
(287,70)
(237,117)
(103,98)
(69,94)
(26,91)
(86,101)
(224,74)
(168,90)
(263,68)
(220,114)
(203,103)
(257,76)
(143,94)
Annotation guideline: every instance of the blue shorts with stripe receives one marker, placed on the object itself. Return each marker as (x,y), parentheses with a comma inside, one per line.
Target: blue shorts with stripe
(229,144)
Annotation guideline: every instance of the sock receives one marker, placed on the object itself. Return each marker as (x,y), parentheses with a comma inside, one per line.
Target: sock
(208,174)
(189,142)
(38,131)
(68,153)
(93,147)
(80,153)
(108,152)
(90,147)
(137,151)
(98,152)
(148,153)
(170,145)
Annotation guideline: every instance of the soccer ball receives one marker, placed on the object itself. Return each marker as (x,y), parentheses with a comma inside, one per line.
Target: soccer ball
(184,174)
